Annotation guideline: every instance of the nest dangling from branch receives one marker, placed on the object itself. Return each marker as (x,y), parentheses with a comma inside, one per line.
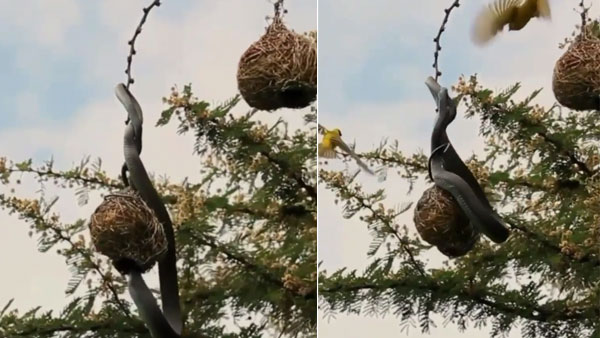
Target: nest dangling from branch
(440,222)
(279,70)
(126,230)
(576,79)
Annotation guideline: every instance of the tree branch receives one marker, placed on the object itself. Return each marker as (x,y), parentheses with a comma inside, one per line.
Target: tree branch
(80,329)
(588,258)
(312,192)
(403,244)
(438,46)
(76,178)
(536,312)
(252,266)
(131,42)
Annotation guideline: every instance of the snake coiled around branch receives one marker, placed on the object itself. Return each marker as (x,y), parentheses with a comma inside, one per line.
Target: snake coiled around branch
(450,173)
(168,323)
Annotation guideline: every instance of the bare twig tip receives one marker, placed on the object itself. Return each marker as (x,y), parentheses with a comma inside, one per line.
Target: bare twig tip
(131,42)
(437,39)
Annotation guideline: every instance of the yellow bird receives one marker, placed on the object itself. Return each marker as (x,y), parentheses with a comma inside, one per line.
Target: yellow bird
(333,139)
(514,13)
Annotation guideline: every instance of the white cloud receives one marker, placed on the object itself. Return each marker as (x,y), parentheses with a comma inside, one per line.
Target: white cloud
(44,23)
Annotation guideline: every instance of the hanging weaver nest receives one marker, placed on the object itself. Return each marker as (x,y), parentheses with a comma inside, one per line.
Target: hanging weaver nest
(279,70)
(440,222)
(576,80)
(127,231)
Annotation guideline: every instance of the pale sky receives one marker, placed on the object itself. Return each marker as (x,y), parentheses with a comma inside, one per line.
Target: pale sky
(60,61)
(374,57)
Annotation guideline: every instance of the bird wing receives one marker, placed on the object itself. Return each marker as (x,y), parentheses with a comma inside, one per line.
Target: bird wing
(543,9)
(326,152)
(493,18)
(337,141)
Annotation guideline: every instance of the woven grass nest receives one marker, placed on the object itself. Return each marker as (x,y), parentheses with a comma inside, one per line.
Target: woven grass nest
(126,230)
(440,222)
(576,79)
(279,70)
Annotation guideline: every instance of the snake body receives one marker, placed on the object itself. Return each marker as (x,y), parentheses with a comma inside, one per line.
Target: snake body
(148,309)
(161,325)
(450,173)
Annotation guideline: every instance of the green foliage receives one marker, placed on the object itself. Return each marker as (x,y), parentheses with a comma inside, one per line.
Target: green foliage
(541,169)
(245,232)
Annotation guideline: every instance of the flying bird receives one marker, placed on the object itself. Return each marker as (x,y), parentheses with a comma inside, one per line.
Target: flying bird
(514,13)
(333,139)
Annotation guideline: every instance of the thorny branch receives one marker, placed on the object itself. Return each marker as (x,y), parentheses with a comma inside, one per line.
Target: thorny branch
(548,244)
(260,270)
(438,46)
(390,161)
(403,243)
(85,180)
(560,147)
(37,218)
(97,268)
(541,129)
(541,313)
(571,155)
(405,246)
(297,176)
(138,30)
(53,331)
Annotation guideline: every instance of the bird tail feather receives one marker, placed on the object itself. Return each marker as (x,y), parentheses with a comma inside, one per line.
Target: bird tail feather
(363,166)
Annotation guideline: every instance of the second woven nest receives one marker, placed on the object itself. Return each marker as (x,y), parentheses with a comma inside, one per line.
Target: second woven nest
(576,79)
(126,230)
(279,70)
(440,222)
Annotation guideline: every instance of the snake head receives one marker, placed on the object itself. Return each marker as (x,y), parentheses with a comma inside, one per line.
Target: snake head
(442,99)
(433,86)
(446,106)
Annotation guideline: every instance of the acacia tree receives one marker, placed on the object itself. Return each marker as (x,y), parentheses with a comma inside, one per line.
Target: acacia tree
(245,232)
(541,167)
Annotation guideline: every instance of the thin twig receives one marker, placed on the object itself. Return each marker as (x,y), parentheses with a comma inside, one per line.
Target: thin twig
(405,246)
(278,6)
(296,176)
(252,266)
(131,42)
(39,219)
(583,15)
(438,46)
(78,178)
